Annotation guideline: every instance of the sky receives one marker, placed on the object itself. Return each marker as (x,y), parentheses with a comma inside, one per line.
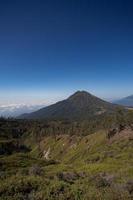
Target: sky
(52,48)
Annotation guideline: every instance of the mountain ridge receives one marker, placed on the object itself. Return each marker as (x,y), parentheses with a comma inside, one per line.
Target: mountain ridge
(126,101)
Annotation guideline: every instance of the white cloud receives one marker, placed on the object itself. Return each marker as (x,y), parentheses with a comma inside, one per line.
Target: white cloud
(14,110)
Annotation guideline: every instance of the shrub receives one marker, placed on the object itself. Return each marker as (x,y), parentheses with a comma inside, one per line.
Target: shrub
(35,170)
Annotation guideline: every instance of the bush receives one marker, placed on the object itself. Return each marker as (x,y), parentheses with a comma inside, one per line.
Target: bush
(35,170)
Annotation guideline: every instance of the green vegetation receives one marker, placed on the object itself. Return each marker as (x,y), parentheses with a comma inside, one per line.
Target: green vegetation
(52,160)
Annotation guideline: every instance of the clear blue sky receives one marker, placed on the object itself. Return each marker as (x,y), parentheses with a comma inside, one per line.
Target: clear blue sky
(51,48)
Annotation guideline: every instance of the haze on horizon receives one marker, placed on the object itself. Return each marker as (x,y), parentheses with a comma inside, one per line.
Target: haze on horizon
(50,49)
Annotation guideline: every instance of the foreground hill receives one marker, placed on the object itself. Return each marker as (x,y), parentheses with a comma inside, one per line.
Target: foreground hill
(80,105)
(64,166)
(127,101)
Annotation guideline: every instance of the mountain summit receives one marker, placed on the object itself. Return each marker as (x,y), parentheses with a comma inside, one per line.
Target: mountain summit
(80,105)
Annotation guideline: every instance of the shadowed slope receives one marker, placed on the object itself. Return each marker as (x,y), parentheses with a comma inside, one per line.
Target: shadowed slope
(80,105)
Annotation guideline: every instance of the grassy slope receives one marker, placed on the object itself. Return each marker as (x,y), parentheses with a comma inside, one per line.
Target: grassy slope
(92,155)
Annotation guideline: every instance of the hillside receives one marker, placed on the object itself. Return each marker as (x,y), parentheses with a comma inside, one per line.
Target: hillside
(80,105)
(38,165)
(127,101)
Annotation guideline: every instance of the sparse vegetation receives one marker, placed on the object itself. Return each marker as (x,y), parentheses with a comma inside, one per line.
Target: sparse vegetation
(83,162)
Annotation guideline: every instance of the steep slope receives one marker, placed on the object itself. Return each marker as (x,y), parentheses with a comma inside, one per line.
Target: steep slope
(80,105)
(127,101)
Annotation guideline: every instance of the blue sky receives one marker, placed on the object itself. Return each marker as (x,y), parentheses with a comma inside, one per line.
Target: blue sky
(49,49)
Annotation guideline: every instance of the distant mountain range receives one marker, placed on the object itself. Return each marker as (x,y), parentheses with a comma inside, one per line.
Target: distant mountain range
(80,105)
(127,101)
(14,110)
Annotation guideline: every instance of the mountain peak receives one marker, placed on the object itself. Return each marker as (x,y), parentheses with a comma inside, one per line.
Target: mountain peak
(80,105)
(80,93)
